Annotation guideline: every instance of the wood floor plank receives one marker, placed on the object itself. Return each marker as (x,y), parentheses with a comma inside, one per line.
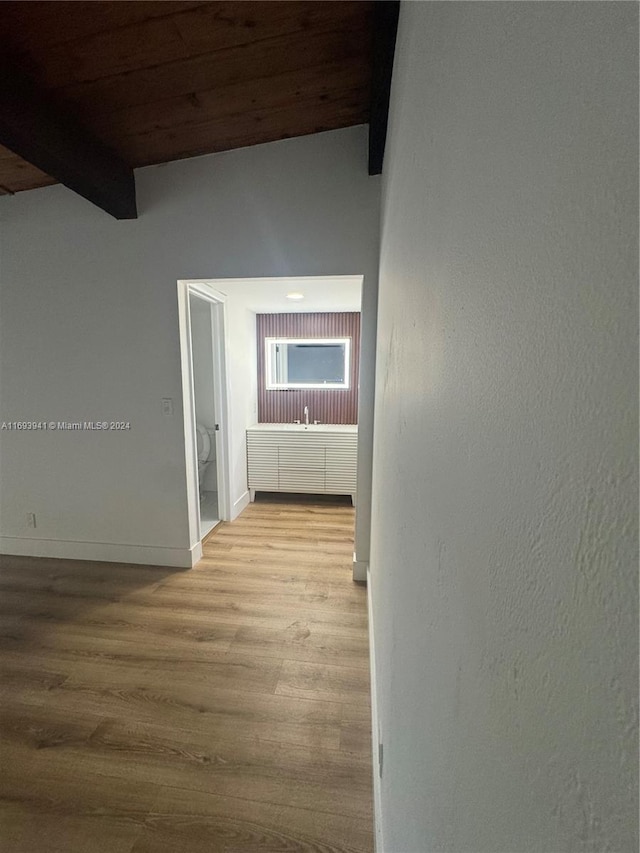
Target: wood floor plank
(131,670)
(325,781)
(193,822)
(226,597)
(327,683)
(267,772)
(39,605)
(355,736)
(19,670)
(225,708)
(360,713)
(25,830)
(44,809)
(180,634)
(298,642)
(259,611)
(34,781)
(197,708)
(107,573)
(42,728)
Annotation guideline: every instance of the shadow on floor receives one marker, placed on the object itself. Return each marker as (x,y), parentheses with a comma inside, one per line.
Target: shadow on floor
(314,500)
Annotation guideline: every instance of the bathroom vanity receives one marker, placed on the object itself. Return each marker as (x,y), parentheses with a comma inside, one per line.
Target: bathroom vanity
(313,458)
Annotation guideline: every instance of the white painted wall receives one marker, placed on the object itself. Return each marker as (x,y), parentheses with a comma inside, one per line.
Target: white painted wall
(241,365)
(89,326)
(504,553)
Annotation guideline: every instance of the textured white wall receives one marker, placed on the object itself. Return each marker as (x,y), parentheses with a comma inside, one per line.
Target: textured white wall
(89,320)
(241,372)
(504,551)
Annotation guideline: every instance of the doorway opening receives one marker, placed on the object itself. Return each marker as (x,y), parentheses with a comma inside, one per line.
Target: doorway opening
(321,396)
(205,409)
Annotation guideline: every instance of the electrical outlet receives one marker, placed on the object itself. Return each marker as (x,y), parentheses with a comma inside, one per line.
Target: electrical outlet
(167,406)
(380,758)
(31,519)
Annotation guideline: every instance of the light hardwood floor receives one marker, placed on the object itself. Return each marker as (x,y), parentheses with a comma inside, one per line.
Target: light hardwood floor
(225,708)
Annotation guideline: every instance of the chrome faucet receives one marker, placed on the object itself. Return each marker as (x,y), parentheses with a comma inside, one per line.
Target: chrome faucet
(306,415)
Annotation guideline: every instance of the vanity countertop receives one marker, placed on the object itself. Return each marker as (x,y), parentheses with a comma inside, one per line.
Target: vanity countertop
(349,428)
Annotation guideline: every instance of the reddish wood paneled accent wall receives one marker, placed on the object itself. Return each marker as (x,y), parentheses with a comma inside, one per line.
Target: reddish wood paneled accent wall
(337,406)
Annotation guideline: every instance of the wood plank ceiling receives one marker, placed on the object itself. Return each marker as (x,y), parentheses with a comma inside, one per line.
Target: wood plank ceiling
(160,81)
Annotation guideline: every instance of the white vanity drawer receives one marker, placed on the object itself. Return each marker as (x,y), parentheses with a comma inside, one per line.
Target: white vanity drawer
(340,484)
(266,481)
(301,457)
(301,480)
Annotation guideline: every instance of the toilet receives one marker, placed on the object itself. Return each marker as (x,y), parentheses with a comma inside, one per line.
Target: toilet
(206,444)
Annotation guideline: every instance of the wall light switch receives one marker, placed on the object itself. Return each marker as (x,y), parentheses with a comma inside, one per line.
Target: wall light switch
(167,406)
(31,519)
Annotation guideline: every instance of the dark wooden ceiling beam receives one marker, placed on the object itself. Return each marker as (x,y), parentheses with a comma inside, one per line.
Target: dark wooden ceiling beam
(44,135)
(158,80)
(385,26)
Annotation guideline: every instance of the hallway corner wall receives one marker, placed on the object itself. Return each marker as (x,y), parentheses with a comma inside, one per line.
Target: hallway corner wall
(504,563)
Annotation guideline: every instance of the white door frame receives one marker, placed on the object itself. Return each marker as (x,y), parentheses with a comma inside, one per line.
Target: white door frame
(203,290)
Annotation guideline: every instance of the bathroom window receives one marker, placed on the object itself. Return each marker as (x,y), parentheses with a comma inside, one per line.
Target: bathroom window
(307,363)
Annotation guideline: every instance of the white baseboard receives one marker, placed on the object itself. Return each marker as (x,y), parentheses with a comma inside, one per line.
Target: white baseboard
(149,555)
(242,502)
(360,568)
(196,554)
(375,728)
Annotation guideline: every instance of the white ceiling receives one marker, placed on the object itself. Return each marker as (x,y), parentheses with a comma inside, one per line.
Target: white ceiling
(268,295)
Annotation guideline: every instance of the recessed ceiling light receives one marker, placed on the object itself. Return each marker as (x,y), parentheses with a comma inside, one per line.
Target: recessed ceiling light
(295,295)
